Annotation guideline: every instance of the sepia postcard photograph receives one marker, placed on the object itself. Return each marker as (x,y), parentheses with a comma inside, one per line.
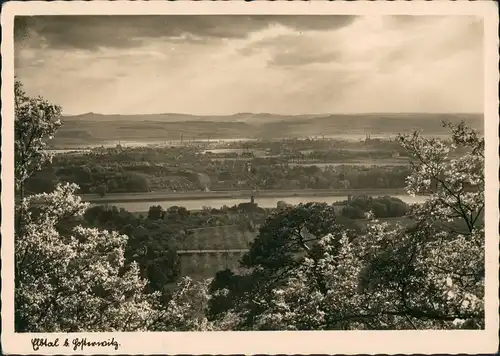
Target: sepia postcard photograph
(243,178)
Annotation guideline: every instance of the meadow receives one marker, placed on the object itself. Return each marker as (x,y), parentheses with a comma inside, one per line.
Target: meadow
(229,237)
(206,265)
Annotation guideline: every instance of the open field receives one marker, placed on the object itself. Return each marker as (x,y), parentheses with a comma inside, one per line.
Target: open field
(218,238)
(207,265)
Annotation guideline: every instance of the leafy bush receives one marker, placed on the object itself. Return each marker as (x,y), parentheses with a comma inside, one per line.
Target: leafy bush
(382,207)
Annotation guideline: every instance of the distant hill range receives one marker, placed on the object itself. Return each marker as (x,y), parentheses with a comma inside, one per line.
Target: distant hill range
(91,128)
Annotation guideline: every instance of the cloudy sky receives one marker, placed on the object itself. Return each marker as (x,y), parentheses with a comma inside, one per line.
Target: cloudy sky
(229,64)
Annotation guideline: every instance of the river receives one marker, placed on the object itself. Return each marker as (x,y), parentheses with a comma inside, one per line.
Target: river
(263,202)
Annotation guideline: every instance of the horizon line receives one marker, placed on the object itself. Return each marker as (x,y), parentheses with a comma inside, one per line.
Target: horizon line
(283,114)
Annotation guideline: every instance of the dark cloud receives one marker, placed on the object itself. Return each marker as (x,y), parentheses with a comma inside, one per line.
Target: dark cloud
(91,32)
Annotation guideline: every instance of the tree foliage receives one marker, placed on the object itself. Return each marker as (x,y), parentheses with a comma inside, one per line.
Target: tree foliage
(184,168)
(381,207)
(286,238)
(156,212)
(76,281)
(71,278)
(288,233)
(36,121)
(426,276)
